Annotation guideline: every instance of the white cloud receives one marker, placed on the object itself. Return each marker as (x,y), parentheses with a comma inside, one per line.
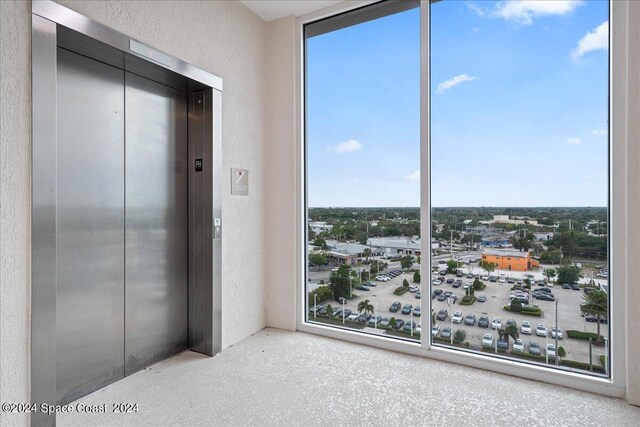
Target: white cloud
(347,146)
(594,40)
(523,11)
(448,84)
(413,176)
(600,132)
(574,141)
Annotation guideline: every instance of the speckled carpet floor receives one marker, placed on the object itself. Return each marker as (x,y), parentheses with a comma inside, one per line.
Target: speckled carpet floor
(296,379)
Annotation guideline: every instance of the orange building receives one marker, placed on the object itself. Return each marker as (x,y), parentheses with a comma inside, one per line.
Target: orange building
(510,259)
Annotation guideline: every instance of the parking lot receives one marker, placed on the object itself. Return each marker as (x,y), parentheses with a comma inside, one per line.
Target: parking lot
(497,296)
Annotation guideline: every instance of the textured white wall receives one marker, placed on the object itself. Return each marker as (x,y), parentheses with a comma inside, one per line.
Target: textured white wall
(280,172)
(222,37)
(15,203)
(633,208)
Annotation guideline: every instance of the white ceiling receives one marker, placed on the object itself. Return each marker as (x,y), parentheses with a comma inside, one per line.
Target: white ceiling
(270,10)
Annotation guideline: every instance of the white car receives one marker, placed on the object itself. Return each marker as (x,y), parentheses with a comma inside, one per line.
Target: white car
(383,278)
(418,330)
(487,340)
(457,317)
(518,345)
(485,277)
(541,330)
(557,332)
(413,289)
(502,280)
(551,350)
(354,316)
(497,323)
(434,330)
(526,327)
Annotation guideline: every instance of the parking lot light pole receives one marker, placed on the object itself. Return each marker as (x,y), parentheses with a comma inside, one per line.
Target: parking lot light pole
(343,303)
(315,305)
(451,328)
(411,320)
(375,318)
(497,341)
(557,331)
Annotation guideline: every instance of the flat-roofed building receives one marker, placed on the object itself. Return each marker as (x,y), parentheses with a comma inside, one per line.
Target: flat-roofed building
(510,259)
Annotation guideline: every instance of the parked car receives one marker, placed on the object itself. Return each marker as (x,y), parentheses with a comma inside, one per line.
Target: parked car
(399,324)
(438,291)
(407,309)
(497,323)
(416,311)
(483,322)
(503,344)
(487,340)
(518,346)
(575,287)
(566,286)
(450,280)
(457,283)
(545,290)
(354,316)
(541,330)
(446,332)
(434,330)
(481,298)
(485,278)
(395,306)
(384,323)
(493,279)
(375,320)
(409,326)
(457,317)
(534,348)
(342,300)
(418,295)
(557,332)
(551,350)
(413,289)
(364,317)
(442,314)
(442,297)
(470,320)
(543,297)
(362,288)
(525,329)
(512,322)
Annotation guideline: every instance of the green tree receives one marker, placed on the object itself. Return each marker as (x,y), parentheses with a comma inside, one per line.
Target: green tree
(550,273)
(568,274)
(516,305)
(452,267)
(416,277)
(527,283)
(509,331)
(487,266)
(553,256)
(477,285)
(561,353)
(365,306)
(318,258)
(311,235)
(405,283)
(596,303)
(378,266)
(367,253)
(329,311)
(320,243)
(406,262)
(340,283)
(393,323)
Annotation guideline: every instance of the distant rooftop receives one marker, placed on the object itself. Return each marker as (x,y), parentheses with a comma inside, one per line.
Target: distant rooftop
(505,252)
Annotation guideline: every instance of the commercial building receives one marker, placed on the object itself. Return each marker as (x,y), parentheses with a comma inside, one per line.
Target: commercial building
(397,245)
(510,259)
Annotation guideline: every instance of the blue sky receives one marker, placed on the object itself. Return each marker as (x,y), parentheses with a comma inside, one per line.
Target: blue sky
(519,107)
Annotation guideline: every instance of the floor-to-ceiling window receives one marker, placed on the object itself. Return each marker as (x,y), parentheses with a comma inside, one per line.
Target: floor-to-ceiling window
(518,186)
(363,170)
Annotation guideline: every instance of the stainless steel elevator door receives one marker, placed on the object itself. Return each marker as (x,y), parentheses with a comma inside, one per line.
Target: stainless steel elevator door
(156,312)
(90,226)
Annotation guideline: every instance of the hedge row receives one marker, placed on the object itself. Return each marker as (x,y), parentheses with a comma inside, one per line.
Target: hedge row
(579,335)
(400,290)
(467,300)
(581,365)
(526,310)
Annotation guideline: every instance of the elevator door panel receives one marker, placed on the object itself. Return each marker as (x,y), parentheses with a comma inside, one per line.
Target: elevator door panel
(90,226)
(156,313)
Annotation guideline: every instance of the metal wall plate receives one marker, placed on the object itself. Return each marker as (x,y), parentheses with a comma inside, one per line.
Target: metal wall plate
(239,182)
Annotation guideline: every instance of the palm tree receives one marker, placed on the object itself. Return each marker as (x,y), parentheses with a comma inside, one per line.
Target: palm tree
(509,331)
(550,273)
(596,303)
(367,253)
(365,306)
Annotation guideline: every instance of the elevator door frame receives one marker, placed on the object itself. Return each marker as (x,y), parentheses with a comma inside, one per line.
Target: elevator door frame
(49,24)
